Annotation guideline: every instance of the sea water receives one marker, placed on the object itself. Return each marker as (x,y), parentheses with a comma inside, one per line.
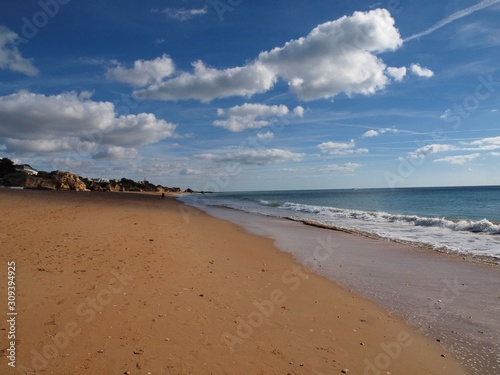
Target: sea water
(463,220)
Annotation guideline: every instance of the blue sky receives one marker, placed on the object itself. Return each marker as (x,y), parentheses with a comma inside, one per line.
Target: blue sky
(228,95)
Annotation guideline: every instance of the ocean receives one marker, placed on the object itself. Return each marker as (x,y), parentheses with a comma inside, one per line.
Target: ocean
(464,220)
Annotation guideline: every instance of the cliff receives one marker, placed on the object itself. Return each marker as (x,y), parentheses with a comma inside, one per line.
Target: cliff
(58,180)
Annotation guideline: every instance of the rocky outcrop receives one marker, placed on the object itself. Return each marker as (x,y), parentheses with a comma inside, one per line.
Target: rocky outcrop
(58,181)
(92,185)
(15,179)
(28,182)
(68,181)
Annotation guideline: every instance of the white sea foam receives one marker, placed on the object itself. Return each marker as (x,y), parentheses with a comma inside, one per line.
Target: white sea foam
(480,226)
(471,237)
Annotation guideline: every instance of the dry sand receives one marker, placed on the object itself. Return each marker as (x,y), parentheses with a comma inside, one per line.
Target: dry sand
(110,283)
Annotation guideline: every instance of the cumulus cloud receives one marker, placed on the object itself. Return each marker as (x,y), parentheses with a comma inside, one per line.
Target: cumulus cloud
(36,123)
(265,136)
(370,134)
(459,159)
(341,148)
(10,57)
(144,72)
(206,83)
(427,150)
(252,116)
(115,153)
(335,57)
(48,146)
(375,133)
(254,157)
(348,167)
(419,71)
(397,73)
(299,111)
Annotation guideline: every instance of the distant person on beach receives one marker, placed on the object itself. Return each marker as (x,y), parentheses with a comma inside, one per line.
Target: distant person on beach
(162,196)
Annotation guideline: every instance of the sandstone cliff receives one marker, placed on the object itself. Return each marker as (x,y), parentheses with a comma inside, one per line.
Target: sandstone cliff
(58,181)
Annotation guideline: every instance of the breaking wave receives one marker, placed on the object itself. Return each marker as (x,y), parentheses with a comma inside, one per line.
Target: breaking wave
(478,226)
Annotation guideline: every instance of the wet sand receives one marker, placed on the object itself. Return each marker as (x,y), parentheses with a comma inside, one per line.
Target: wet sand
(446,297)
(113,283)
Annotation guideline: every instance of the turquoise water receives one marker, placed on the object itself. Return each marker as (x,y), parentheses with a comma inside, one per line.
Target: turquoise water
(456,219)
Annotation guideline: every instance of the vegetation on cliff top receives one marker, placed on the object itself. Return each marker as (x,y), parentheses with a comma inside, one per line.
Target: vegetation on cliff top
(59,180)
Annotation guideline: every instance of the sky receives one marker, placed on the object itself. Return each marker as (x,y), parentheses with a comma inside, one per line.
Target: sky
(232,95)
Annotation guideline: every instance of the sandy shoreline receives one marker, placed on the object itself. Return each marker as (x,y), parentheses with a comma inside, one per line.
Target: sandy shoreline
(109,283)
(445,296)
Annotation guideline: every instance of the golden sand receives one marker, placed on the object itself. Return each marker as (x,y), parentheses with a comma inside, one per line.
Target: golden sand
(114,283)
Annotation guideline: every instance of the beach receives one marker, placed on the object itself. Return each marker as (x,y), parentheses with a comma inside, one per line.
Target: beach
(117,283)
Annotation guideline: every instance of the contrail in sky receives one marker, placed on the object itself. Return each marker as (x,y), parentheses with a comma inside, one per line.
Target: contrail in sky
(455,16)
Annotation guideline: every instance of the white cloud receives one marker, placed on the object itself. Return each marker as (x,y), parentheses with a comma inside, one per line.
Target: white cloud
(10,57)
(446,114)
(341,148)
(252,116)
(182,14)
(206,83)
(299,111)
(427,150)
(397,73)
(71,122)
(459,159)
(192,172)
(417,70)
(487,141)
(138,130)
(265,136)
(48,146)
(348,167)
(370,133)
(485,144)
(115,153)
(254,157)
(495,153)
(455,16)
(144,72)
(375,133)
(335,57)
